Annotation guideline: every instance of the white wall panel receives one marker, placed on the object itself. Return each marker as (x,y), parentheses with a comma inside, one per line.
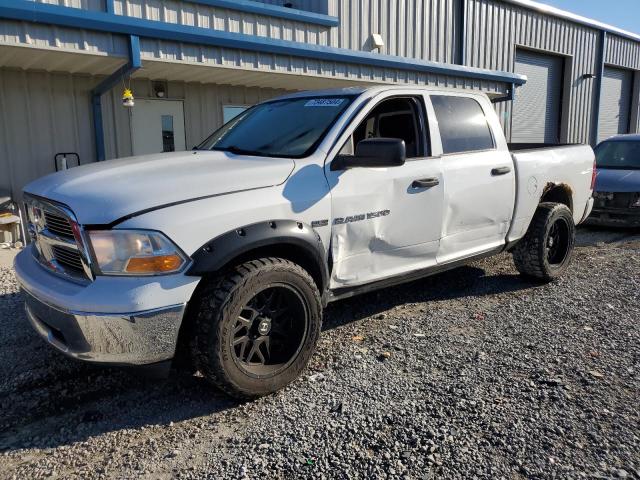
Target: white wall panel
(42,114)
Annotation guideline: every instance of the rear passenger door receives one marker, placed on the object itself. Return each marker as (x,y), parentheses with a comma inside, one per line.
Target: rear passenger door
(478,176)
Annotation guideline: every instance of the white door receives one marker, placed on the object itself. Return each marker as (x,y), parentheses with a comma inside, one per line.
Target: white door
(615,104)
(479,179)
(384,223)
(157,126)
(538,105)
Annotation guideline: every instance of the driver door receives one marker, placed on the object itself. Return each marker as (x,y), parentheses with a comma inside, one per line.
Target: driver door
(384,223)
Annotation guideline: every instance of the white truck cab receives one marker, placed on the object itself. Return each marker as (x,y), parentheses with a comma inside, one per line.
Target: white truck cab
(231,251)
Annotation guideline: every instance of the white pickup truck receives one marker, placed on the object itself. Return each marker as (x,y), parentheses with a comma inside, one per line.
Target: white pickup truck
(230,252)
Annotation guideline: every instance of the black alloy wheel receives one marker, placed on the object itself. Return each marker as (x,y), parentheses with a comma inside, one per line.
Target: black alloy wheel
(270,331)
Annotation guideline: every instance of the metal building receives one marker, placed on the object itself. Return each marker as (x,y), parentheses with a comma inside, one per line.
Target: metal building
(193,64)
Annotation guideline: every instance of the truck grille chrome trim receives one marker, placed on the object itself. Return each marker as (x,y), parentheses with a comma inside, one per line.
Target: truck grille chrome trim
(58,239)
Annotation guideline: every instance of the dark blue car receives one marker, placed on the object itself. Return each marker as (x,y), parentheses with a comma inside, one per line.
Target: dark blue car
(617,189)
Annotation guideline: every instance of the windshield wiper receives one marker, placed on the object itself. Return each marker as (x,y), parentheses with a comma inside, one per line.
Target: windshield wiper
(237,150)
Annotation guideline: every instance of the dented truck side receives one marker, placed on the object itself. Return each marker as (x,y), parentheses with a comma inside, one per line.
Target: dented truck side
(256,230)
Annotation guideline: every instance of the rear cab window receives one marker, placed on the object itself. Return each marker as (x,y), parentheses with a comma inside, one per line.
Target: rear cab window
(463,124)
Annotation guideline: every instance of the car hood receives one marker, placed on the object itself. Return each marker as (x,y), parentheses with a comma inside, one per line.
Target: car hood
(614,180)
(101,193)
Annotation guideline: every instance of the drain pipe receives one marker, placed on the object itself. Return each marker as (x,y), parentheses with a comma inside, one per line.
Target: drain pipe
(595,128)
(107,84)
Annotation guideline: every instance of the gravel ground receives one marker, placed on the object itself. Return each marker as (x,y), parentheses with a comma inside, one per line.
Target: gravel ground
(472,373)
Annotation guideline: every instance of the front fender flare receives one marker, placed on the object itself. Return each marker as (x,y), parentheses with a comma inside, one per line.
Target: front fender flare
(218,252)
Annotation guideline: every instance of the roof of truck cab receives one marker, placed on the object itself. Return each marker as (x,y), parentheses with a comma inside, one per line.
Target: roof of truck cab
(632,137)
(378,89)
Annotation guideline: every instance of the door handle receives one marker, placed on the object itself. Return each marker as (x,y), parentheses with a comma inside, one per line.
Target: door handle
(425,183)
(500,171)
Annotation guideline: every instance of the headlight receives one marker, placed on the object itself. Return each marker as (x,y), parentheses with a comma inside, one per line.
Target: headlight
(636,203)
(135,252)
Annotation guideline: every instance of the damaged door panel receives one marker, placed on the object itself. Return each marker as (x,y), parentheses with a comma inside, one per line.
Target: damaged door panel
(386,220)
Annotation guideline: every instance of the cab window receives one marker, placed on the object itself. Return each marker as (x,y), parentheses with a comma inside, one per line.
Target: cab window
(393,118)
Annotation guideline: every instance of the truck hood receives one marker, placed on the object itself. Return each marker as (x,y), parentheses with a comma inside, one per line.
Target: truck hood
(103,192)
(614,180)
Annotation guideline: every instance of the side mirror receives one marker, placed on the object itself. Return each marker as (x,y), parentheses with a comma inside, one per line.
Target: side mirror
(374,153)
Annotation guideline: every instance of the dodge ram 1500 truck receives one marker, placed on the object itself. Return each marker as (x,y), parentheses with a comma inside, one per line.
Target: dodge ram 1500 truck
(231,251)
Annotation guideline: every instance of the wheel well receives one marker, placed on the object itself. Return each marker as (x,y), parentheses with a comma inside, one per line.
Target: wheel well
(554,193)
(288,251)
(295,253)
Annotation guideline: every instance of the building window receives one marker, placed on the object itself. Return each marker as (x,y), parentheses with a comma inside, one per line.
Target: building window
(229,112)
(168,138)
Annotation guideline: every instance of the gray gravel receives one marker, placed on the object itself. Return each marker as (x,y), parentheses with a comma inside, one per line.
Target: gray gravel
(472,373)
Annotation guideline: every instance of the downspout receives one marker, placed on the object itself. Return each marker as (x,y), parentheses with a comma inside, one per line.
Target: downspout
(461,36)
(107,84)
(595,130)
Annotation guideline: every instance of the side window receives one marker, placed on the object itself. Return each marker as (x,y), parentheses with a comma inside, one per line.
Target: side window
(463,124)
(393,118)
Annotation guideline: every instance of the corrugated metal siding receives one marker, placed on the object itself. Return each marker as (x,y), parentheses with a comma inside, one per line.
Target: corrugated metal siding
(212,56)
(318,6)
(625,53)
(204,16)
(48,36)
(494,29)
(97,5)
(622,52)
(42,114)
(424,29)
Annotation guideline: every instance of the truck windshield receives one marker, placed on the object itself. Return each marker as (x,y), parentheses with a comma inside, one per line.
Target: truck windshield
(283,128)
(618,155)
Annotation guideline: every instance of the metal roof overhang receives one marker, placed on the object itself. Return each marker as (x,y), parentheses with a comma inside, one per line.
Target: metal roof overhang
(108,22)
(572,17)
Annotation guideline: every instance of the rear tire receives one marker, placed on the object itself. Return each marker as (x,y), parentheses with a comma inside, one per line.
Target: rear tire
(546,250)
(257,327)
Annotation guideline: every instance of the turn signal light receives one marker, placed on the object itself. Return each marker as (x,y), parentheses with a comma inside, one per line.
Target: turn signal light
(162,263)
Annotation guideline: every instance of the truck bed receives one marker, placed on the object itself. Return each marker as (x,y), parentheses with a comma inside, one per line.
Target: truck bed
(540,168)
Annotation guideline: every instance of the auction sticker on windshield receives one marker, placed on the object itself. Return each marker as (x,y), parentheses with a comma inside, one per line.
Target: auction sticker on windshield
(325,102)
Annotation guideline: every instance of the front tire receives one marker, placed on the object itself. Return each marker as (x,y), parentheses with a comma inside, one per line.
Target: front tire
(545,252)
(257,327)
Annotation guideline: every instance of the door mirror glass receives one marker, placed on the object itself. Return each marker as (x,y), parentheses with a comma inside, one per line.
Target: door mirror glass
(374,153)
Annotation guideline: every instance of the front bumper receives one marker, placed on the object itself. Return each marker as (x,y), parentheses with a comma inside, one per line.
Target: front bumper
(116,321)
(139,338)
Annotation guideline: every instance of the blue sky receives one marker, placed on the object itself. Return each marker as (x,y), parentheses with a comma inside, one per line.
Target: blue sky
(623,14)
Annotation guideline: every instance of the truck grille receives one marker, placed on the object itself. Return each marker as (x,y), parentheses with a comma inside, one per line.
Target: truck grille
(67,258)
(58,225)
(56,247)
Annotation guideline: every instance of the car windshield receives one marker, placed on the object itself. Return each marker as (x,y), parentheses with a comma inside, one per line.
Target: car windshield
(623,155)
(283,128)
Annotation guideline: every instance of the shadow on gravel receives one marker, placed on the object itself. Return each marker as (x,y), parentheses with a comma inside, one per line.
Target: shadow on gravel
(589,236)
(459,283)
(48,400)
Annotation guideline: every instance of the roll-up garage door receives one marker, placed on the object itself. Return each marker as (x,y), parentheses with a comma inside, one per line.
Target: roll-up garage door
(538,103)
(615,103)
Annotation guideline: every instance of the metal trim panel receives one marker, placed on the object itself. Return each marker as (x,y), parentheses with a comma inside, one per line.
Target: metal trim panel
(43,13)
